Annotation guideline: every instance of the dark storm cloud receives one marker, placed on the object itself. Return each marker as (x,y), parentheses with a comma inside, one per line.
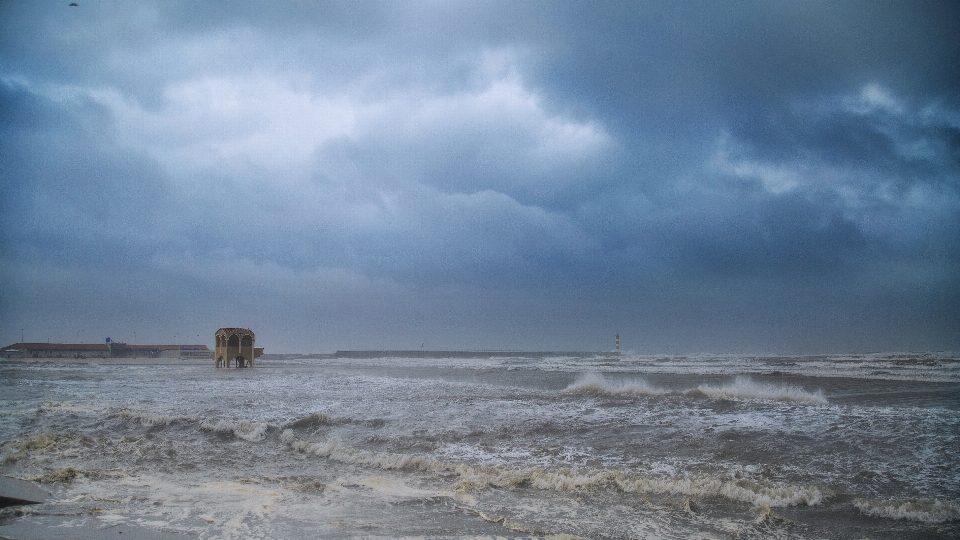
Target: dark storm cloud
(751,176)
(673,62)
(68,192)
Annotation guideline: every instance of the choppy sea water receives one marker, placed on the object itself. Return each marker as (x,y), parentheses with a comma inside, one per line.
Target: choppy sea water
(564,446)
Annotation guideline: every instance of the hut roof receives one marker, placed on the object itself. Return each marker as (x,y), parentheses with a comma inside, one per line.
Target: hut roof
(231,331)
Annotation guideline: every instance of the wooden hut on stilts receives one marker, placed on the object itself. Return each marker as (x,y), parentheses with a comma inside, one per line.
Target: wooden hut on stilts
(236,348)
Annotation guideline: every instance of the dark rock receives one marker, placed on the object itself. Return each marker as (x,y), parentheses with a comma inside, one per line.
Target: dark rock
(14,491)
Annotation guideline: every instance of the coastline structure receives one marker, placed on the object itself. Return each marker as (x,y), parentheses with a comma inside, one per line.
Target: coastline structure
(109,349)
(236,348)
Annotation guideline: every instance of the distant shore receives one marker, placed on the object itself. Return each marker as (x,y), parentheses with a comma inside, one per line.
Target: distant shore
(110,360)
(356,354)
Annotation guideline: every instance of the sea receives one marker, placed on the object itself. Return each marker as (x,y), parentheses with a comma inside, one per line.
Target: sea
(506,445)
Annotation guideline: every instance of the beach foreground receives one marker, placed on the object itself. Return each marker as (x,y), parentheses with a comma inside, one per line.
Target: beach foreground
(550,446)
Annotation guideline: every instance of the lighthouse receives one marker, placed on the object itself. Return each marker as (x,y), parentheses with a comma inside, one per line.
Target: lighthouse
(617,346)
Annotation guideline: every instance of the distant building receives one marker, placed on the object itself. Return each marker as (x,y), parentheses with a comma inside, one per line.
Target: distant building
(236,347)
(56,350)
(106,350)
(125,350)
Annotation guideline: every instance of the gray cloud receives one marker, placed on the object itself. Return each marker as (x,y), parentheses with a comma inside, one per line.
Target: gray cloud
(755,176)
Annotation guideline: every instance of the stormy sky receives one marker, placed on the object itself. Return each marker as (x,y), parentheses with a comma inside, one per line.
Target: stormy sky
(729,177)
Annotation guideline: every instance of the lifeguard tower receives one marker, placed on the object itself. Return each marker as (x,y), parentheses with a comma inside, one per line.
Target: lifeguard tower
(235,348)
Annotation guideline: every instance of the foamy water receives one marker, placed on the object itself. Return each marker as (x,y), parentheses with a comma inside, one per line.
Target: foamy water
(556,446)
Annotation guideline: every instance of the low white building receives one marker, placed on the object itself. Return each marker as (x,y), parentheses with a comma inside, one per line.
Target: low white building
(56,350)
(105,350)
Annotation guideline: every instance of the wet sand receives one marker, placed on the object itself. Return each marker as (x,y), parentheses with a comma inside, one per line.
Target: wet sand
(62,527)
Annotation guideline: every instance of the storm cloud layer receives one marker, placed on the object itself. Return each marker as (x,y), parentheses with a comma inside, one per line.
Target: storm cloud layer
(722,177)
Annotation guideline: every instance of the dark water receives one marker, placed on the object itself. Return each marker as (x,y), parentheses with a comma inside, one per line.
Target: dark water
(593,447)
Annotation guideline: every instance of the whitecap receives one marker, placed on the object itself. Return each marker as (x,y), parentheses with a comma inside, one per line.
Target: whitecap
(249,431)
(747,389)
(593,383)
(925,511)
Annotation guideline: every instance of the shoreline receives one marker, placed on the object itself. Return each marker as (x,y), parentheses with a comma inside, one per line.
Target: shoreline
(139,360)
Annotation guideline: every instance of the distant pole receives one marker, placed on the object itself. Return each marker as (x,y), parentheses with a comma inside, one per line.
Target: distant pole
(21,335)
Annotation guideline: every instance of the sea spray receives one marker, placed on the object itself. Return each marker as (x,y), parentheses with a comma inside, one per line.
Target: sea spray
(596,384)
(747,389)
(740,389)
(925,511)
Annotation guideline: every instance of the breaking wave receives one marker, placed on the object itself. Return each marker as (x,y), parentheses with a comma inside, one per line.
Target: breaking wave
(314,421)
(757,493)
(924,511)
(149,419)
(746,389)
(40,444)
(592,383)
(248,431)
(741,389)
(476,477)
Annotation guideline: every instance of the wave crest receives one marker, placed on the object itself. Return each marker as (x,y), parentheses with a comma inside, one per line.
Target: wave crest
(595,384)
(757,493)
(924,511)
(746,389)
(476,477)
(314,421)
(741,389)
(248,431)
(149,419)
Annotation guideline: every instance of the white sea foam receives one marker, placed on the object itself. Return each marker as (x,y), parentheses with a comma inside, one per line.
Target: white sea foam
(746,389)
(475,477)
(757,493)
(593,383)
(518,447)
(150,419)
(338,451)
(925,511)
(741,389)
(249,431)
